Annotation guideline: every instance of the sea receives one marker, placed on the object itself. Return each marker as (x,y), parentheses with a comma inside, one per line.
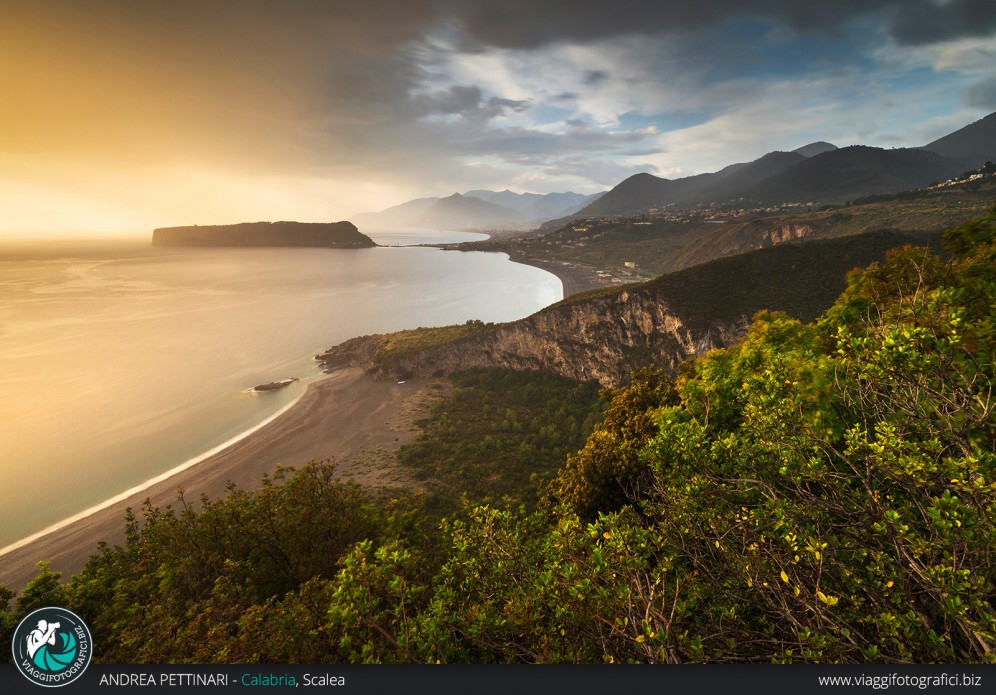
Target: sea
(120,361)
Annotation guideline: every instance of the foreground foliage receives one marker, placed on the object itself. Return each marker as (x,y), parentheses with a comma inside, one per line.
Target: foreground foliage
(500,434)
(819,492)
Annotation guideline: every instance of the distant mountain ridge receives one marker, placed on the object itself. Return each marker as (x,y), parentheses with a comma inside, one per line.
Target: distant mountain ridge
(503,208)
(462,212)
(533,205)
(833,176)
(396,215)
(634,193)
(642,191)
(818,173)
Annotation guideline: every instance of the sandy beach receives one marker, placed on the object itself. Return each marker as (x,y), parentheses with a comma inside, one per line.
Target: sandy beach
(348,416)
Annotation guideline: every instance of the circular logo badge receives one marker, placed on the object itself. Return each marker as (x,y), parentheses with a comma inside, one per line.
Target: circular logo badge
(52,647)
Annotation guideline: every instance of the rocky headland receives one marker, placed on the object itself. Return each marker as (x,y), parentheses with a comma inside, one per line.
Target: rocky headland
(334,235)
(607,334)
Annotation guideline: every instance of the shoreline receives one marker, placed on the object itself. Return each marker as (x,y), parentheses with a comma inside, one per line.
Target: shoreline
(337,417)
(575,279)
(145,485)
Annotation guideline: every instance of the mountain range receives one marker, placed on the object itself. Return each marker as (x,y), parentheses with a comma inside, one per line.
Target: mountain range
(816,174)
(478,209)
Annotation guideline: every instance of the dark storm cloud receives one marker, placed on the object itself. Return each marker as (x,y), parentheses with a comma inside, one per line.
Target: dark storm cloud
(924,22)
(303,80)
(527,146)
(464,101)
(352,91)
(519,24)
(593,77)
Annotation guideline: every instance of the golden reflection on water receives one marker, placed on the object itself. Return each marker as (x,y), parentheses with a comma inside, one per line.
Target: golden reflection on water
(119,361)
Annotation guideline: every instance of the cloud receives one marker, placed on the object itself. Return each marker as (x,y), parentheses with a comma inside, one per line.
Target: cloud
(593,77)
(929,21)
(465,101)
(982,95)
(410,93)
(596,170)
(529,147)
(516,24)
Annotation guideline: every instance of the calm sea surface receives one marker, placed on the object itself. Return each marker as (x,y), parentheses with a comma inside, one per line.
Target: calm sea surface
(119,361)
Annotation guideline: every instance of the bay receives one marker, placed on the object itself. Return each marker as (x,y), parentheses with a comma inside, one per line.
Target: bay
(119,361)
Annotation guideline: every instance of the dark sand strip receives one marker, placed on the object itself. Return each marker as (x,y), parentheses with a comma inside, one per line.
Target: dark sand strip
(343,414)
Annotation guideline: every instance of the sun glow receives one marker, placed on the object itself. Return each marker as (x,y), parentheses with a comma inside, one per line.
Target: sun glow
(129,203)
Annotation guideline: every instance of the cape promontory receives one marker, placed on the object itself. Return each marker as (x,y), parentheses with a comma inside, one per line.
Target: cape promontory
(333,235)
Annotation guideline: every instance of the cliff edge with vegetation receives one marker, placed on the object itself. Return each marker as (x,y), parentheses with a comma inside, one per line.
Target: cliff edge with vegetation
(606,335)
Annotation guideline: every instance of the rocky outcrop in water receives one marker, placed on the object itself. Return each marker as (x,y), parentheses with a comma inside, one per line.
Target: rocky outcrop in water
(333,235)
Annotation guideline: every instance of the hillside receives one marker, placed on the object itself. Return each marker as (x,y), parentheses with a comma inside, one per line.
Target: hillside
(397,215)
(642,191)
(608,334)
(973,145)
(851,172)
(676,239)
(645,191)
(461,211)
(336,235)
(464,212)
(744,177)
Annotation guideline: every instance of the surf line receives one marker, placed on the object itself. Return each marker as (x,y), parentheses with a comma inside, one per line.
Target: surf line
(100,506)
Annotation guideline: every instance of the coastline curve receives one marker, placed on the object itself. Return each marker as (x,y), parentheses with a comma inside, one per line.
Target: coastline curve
(146,484)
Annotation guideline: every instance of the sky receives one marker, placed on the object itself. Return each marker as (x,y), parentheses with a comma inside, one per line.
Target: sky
(122,116)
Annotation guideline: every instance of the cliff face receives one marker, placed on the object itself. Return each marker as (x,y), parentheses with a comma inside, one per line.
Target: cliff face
(335,235)
(604,338)
(608,334)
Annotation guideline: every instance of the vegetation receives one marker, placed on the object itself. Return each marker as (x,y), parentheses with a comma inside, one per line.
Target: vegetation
(610,471)
(821,492)
(500,434)
(393,345)
(800,279)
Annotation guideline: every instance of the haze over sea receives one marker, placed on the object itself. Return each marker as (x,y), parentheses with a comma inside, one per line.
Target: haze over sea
(119,361)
